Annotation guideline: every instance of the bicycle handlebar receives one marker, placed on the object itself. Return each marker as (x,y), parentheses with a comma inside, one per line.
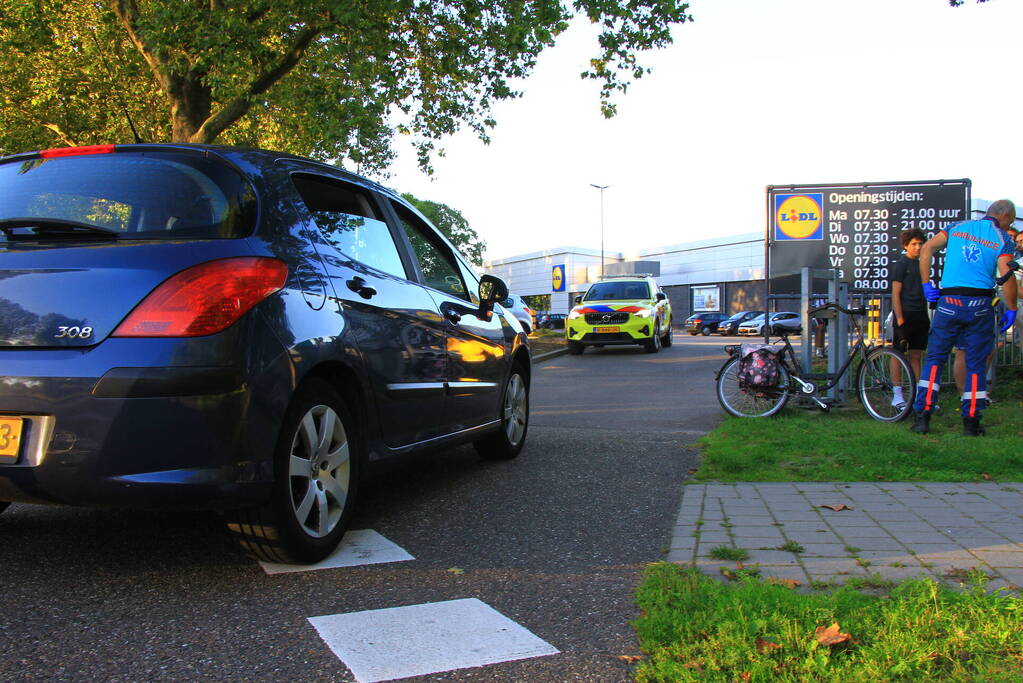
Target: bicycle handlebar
(1013,267)
(831,305)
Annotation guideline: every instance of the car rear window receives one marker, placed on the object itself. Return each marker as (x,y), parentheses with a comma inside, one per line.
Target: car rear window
(138,195)
(616,291)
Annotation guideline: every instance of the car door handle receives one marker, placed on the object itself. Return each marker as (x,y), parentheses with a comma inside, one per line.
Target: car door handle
(359,286)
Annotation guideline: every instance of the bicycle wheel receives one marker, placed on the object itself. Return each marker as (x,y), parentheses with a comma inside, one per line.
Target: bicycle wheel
(876,387)
(749,402)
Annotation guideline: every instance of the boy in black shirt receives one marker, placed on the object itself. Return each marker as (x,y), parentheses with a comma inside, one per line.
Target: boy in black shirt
(909,309)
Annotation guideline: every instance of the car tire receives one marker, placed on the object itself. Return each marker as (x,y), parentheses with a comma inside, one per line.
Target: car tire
(705,331)
(666,339)
(316,475)
(653,344)
(507,442)
(575,348)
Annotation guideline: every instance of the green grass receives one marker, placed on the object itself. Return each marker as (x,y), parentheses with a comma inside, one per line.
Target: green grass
(694,628)
(725,552)
(792,547)
(847,445)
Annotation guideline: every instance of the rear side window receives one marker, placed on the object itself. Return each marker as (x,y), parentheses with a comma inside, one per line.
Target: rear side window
(349,221)
(138,195)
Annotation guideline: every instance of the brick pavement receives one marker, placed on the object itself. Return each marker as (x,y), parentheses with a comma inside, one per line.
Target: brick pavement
(892,530)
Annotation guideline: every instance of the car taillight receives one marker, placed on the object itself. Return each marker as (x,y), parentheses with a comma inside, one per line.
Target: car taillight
(204,299)
(76,151)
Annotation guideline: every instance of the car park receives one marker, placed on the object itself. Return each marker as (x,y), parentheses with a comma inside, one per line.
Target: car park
(703,323)
(192,326)
(730,326)
(786,322)
(620,310)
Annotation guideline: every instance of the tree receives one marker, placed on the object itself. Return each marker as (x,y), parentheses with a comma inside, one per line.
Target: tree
(332,79)
(452,223)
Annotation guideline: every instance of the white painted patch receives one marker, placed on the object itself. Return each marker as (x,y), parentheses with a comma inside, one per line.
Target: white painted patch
(385,644)
(358,547)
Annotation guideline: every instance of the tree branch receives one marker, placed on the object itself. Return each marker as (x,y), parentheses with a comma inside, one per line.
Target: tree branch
(127,12)
(238,107)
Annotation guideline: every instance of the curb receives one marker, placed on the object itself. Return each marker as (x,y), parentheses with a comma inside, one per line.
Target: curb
(547,356)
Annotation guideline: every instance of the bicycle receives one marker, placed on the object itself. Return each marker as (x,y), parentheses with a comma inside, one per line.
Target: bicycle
(874,383)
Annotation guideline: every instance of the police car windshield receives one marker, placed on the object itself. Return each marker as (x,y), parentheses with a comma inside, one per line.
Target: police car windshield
(618,291)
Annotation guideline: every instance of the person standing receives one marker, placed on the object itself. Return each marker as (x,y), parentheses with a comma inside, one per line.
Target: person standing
(973,249)
(910,321)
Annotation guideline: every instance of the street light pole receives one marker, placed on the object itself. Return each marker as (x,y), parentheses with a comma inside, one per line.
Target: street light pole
(601,188)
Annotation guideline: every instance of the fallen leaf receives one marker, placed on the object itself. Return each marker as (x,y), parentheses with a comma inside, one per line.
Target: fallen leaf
(766,646)
(456,571)
(831,635)
(630,659)
(985,476)
(745,676)
(693,470)
(837,508)
(788,583)
(933,655)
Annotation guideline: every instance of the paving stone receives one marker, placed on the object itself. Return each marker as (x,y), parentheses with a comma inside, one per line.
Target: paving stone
(933,548)
(886,557)
(807,515)
(784,572)
(876,543)
(773,557)
(850,532)
(923,537)
(716,538)
(800,525)
(1000,559)
(712,513)
(895,514)
(680,556)
(903,573)
(827,565)
(823,550)
(1012,575)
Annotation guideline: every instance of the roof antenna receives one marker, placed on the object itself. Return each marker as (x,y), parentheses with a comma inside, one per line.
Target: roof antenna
(117,93)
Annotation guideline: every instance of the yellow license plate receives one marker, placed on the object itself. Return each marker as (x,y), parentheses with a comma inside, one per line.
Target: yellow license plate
(10,437)
(606,330)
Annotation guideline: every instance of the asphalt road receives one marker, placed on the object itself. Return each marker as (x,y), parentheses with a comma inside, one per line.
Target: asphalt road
(554,540)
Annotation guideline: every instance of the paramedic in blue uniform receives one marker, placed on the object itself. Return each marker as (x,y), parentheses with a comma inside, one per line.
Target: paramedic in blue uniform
(964,315)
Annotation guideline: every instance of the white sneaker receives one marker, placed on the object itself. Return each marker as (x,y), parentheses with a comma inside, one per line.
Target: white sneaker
(897,400)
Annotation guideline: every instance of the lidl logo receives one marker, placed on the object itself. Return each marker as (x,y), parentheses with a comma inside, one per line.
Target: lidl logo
(798,216)
(558,278)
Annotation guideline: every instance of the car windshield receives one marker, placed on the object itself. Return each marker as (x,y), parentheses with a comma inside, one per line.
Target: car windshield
(618,291)
(737,316)
(758,319)
(133,195)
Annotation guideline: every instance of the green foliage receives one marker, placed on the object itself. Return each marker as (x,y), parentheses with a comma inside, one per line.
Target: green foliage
(726,552)
(452,223)
(695,628)
(538,302)
(324,78)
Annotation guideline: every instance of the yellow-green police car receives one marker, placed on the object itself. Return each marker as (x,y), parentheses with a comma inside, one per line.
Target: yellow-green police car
(625,309)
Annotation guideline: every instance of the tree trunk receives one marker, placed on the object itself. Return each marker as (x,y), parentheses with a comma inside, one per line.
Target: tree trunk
(191,103)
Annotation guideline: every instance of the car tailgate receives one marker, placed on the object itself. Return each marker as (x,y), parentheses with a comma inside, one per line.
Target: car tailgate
(61,295)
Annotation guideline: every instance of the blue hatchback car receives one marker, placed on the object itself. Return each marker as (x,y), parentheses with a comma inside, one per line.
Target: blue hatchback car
(247,331)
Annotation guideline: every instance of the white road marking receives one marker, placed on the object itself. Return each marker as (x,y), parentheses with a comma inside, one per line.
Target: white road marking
(358,547)
(385,644)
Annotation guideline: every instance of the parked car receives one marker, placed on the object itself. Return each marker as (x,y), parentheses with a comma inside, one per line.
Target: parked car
(553,321)
(731,325)
(194,326)
(521,310)
(703,323)
(620,309)
(781,322)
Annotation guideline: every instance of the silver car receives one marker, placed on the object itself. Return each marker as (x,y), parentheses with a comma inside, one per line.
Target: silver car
(786,322)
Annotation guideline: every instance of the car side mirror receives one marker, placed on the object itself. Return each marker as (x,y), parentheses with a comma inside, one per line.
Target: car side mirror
(492,290)
(578,299)
(661,296)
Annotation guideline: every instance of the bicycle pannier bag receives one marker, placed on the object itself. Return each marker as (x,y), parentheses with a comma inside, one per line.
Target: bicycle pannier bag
(758,367)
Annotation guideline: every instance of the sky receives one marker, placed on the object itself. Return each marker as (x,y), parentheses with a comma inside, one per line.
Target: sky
(752,93)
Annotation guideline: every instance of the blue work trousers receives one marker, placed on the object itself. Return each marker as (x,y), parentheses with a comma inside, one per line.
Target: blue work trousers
(966,321)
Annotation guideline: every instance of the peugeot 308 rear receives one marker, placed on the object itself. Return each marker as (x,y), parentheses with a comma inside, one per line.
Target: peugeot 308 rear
(159,309)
